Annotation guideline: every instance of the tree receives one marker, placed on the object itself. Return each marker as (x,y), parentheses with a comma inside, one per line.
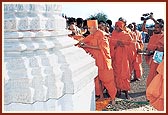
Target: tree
(99,16)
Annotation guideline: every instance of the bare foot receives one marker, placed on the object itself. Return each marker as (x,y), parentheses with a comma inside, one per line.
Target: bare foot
(113,102)
(97,97)
(126,95)
(118,93)
(101,99)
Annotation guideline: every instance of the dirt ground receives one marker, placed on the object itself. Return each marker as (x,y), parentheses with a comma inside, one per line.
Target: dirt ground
(138,88)
(137,94)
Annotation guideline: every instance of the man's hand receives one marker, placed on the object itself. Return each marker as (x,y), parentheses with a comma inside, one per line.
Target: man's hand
(151,17)
(119,43)
(82,44)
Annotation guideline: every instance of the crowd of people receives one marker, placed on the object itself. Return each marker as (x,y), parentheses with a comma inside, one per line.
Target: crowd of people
(118,55)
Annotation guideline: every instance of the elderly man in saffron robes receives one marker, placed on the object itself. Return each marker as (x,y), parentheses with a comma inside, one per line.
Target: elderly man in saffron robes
(97,45)
(120,51)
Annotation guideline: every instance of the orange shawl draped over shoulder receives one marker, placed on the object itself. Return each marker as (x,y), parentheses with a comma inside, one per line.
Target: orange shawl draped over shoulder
(120,57)
(155,90)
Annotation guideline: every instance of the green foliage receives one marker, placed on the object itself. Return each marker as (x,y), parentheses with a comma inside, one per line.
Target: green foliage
(99,16)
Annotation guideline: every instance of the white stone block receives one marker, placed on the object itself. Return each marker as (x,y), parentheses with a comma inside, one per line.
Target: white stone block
(81,101)
(13,35)
(10,25)
(12,54)
(44,70)
(20,93)
(23,24)
(28,34)
(18,107)
(15,47)
(5,71)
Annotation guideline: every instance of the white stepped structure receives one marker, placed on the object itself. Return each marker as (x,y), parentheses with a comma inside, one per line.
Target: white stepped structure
(43,70)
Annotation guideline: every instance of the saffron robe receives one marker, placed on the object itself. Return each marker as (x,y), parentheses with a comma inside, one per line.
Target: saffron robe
(155,43)
(120,57)
(138,61)
(103,61)
(155,90)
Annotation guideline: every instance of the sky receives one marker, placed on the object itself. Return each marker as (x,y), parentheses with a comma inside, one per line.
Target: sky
(131,11)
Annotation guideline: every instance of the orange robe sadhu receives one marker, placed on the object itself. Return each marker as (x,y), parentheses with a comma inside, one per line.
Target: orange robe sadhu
(156,41)
(135,59)
(103,61)
(120,58)
(132,50)
(138,61)
(155,90)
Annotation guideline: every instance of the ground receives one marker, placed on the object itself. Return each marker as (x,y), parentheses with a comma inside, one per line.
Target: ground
(137,93)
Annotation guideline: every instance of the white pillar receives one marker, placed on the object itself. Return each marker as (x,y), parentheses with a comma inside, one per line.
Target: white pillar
(43,70)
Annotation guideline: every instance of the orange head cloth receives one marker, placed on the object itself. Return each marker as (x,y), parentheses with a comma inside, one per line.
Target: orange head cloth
(120,24)
(92,23)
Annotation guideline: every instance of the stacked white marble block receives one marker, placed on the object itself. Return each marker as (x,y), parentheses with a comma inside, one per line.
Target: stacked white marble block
(43,70)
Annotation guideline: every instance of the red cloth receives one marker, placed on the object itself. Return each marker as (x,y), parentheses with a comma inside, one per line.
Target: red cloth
(156,41)
(155,90)
(103,60)
(120,56)
(120,24)
(138,61)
